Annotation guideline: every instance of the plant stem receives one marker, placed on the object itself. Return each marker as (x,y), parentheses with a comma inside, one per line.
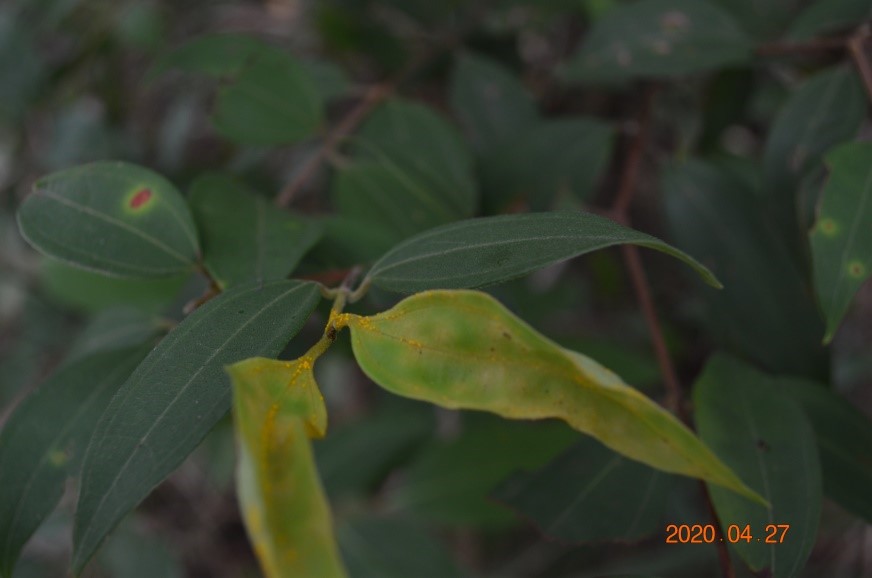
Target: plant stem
(620,212)
(857,48)
(796,48)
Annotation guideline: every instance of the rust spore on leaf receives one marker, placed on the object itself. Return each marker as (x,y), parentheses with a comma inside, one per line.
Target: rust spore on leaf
(140,198)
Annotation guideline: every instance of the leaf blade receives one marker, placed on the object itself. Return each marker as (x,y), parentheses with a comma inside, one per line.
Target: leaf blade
(463,350)
(143,227)
(276,407)
(479,252)
(174,407)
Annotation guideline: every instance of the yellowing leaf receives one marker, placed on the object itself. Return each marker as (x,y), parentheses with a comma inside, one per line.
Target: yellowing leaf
(462,349)
(277,407)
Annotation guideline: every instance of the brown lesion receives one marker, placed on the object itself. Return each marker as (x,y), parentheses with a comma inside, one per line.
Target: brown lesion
(140,198)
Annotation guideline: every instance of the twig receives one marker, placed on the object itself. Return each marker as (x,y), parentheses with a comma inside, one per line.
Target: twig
(797,48)
(857,48)
(620,212)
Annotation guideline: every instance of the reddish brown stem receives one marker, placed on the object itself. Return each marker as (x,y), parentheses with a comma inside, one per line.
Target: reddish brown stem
(857,48)
(801,48)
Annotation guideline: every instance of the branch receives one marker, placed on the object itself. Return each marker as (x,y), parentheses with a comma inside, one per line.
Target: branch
(857,48)
(831,44)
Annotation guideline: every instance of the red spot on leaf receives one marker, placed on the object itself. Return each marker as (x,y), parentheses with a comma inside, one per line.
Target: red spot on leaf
(140,198)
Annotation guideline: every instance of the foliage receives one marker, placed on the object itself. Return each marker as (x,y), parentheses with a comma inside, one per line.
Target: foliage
(465,187)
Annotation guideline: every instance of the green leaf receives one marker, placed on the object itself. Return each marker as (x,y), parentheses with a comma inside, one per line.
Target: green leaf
(764,19)
(765,311)
(114,329)
(490,101)
(393,548)
(218,55)
(419,146)
(827,16)
(112,217)
(825,110)
(547,159)
(244,237)
(272,101)
(43,442)
(765,437)
(276,407)
(844,436)
(449,481)
(590,493)
(385,437)
(90,292)
(389,200)
(175,397)
(479,252)
(654,38)
(841,241)
(463,350)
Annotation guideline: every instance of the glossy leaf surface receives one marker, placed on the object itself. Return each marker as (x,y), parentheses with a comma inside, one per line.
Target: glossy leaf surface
(463,350)
(244,237)
(277,407)
(841,241)
(653,38)
(174,398)
(479,252)
(112,217)
(590,493)
(768,440)
(44,440)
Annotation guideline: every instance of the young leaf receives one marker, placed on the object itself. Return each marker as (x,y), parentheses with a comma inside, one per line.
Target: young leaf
(112,217)
(174,398)
(490,101)
(590,493)
(43,442)
(825,110)
(841,241)
(276,407)
(844,436)
(767,439)
(653,38)
(448,482)
(488,250)
(272,101)
(244,238)
(463,350)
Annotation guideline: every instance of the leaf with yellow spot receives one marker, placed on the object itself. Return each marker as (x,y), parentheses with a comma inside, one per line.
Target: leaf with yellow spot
(841,242)
(277,407)
(464,350)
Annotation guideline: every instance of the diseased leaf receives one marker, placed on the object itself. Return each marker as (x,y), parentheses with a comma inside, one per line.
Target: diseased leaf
(765,311)
(276,407)
(272,101)
(653,38)
(420,147)
(112,217)
(43,442)
(174,398)
(590,493)
(393,548)
(463,350)
(488,250)
(546,160)
(490,101)
(767,439)
(825,110)
(844,436)
(448,482)
(244,237)
(841,241)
